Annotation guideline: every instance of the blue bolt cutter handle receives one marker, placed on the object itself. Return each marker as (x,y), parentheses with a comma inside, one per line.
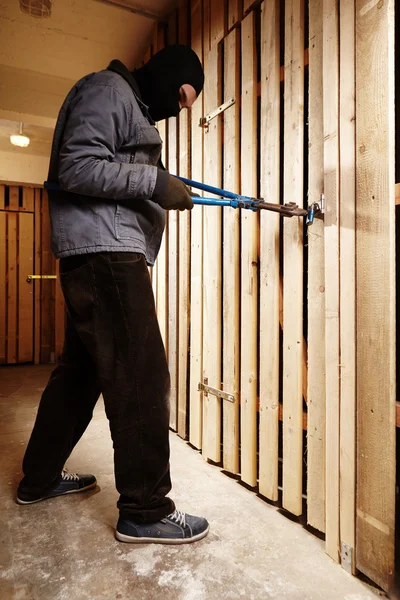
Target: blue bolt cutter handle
(237,201)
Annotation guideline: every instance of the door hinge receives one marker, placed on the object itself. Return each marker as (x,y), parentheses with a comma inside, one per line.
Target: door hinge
(207,389)
(347,557)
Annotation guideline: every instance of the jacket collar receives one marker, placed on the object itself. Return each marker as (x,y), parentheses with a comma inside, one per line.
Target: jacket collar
(118,67)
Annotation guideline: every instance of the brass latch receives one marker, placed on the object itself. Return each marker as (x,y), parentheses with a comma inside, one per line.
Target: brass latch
(204,121)
(30,277)
(207,389)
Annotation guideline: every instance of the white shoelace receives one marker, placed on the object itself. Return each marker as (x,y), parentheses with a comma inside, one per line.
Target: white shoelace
(69,476)
(178,517)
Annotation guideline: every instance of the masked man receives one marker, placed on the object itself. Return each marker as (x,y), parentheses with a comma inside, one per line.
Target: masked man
(107,222)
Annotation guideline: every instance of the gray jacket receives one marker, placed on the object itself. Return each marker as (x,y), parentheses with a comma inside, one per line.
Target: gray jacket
(104,157)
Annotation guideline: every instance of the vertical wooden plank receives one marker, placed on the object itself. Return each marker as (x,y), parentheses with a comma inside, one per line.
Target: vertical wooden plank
(3,286)
(235,12)
(161,299)
(269,250)
(249,257)
(375,276)
(247,5)
(13,198)
(147,55)
(59,315)
(293,259)
(12,288)
(212,262)
(183,22)
(332,347)
(25,289)
(160,36)
(347,244)
(2,196)
(217,23)
(162,261)
(154,282)
(173,324)
(37,270)
(46,348)
(231,254)
(316,281)
(27,199)
(155,38)
(206,4)
(196,248)
(184,251)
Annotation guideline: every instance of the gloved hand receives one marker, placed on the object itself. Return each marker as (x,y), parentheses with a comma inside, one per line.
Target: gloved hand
(176,196)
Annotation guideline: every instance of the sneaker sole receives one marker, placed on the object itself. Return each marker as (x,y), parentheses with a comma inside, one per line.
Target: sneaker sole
(121,537)
(84,489)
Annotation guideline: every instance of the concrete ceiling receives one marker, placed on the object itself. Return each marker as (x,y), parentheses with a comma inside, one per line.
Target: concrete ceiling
(41,58)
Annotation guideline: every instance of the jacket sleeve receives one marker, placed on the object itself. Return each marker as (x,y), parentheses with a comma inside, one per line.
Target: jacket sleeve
(95,129)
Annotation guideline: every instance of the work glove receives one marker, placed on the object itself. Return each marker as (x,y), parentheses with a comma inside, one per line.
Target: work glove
(174,196)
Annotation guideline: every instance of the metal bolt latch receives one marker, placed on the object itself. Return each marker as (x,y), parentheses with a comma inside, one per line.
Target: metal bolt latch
(207,389)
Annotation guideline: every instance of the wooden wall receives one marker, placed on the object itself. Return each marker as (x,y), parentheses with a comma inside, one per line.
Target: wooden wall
(297,324)
(32,314)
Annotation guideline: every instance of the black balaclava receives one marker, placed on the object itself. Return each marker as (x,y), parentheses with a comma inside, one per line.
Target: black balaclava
(160,79)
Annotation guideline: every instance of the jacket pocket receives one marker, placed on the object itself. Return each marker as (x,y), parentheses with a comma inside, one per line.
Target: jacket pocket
(137,224)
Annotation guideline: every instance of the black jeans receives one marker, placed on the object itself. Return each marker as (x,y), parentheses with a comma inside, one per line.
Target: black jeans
(113,346)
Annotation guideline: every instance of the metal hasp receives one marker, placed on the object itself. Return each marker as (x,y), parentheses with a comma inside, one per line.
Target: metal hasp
(204,121)
(207,389)
(30,277)
(347,558)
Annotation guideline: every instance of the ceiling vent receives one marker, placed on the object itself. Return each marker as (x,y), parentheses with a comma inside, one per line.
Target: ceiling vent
(41,9)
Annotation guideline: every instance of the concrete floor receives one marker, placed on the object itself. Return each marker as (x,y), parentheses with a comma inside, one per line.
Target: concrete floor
(64,548)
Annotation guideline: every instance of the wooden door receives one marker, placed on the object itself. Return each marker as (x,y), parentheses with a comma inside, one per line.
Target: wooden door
(32,313)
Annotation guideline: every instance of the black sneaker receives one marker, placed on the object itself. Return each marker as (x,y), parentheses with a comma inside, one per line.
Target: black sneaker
(176,528)
(71,483)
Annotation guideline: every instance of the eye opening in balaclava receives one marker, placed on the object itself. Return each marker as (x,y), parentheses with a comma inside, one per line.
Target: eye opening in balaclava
(161,78)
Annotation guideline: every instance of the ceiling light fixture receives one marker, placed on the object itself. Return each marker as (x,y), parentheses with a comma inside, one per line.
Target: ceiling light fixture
(20,140)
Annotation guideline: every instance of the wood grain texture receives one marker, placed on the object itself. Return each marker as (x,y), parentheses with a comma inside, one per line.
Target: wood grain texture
(293,259)
(172,262)
(3,287)
(13,198)
(249,257)
(375,273)
(235,12)
(172,254)
(231,254)
(47,285)
(212,261)
(37,270)
(161,300)
(25,289)
(269,250)
(248,5)
(183,251)
(60,320)
(196,248)
(217,23)
(332,265)
(347,243)
(28,200)
(12,287)
(316,280)
(162,282)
